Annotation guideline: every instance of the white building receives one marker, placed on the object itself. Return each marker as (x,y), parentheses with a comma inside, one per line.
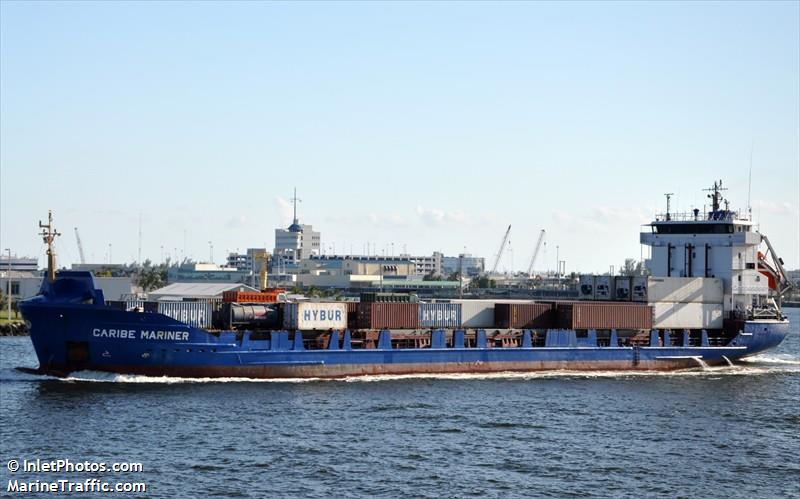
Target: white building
(295,243)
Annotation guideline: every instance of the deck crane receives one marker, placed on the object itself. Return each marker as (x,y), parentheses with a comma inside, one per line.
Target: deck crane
(536,253)
(500,252)
(80,246)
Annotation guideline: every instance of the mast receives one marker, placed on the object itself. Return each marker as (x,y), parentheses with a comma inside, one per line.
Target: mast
(49,235)
(716,195)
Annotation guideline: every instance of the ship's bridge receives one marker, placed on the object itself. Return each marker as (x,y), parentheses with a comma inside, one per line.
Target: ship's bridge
(716,222)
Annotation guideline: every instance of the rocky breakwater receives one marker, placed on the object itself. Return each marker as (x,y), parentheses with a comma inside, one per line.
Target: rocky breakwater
(13,329)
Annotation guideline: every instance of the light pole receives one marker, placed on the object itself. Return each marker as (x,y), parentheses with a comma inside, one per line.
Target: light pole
(8,284)
(558,269)
(461,275)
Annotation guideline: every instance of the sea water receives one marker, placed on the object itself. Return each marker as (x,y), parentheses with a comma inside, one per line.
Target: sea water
(731,431)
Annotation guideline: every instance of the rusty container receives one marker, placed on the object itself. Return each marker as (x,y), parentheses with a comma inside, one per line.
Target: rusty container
(352,314)
(524,315)
(588,315)
(387,315)
(270,296)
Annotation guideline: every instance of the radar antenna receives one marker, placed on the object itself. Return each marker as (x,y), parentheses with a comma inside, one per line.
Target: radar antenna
(49,235)
(668,195)
(716,195)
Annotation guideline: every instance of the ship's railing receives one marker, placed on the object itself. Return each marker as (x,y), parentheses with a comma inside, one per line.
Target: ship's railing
(721,215)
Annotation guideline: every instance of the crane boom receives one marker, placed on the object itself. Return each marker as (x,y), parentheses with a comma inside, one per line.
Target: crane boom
(80,246)
(536,252)
(500,252)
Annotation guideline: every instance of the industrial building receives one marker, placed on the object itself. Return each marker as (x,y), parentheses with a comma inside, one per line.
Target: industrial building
(297,242)
(205,272)
(196,291)
(251,262)
(18,263)
(465,263)
(25,285)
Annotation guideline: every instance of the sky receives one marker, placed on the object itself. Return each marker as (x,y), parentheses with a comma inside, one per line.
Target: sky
(410,126)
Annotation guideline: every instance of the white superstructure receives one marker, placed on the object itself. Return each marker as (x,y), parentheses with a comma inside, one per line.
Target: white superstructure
(718,244)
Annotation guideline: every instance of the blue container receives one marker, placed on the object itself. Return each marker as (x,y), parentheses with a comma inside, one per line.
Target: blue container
(439,315)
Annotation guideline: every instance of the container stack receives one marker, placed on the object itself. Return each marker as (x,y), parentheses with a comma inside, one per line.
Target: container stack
(524,315)
(686,302)
(596,315)
(476,313)
(378,315)
(315,316)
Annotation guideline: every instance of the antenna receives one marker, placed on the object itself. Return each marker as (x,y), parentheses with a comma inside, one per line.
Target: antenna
(668,195)
(49,235)
(139,258)
(716,195)
(750,181)
(295,200)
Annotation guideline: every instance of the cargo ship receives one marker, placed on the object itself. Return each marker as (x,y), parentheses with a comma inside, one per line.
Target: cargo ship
(712,297)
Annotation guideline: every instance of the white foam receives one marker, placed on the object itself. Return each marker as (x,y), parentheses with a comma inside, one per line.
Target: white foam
(102,377)
(753,366)
(783,359)
(9,375)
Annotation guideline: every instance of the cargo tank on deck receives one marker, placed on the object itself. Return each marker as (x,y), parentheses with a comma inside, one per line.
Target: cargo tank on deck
(712,297)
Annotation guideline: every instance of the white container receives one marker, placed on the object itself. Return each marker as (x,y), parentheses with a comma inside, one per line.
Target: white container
(673,315)
(193,313)
(310,316)
(639,288)
(586,287)
(684,289)
(604,287)
(623,289)
(476,313)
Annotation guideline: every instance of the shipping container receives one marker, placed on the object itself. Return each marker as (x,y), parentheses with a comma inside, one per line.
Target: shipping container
(378,297)
(271,296)
(310,316)
(388,315)
(604,287)
(352,314)
(623,288)
(673,315)
(588,315)
(639,288)
(586,287)
(194,313)
(439,315)
(476,313)
(524,315)
(684,289)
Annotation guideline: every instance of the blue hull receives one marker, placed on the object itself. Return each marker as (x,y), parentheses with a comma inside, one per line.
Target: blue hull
(75,331)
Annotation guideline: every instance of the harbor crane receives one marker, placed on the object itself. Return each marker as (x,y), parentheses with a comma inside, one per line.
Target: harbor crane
(80,246)
(500,252)
(536,253)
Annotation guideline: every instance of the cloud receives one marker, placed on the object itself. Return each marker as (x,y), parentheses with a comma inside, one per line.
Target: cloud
(390,220)
(776,208)
(438,216)
(237,222)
